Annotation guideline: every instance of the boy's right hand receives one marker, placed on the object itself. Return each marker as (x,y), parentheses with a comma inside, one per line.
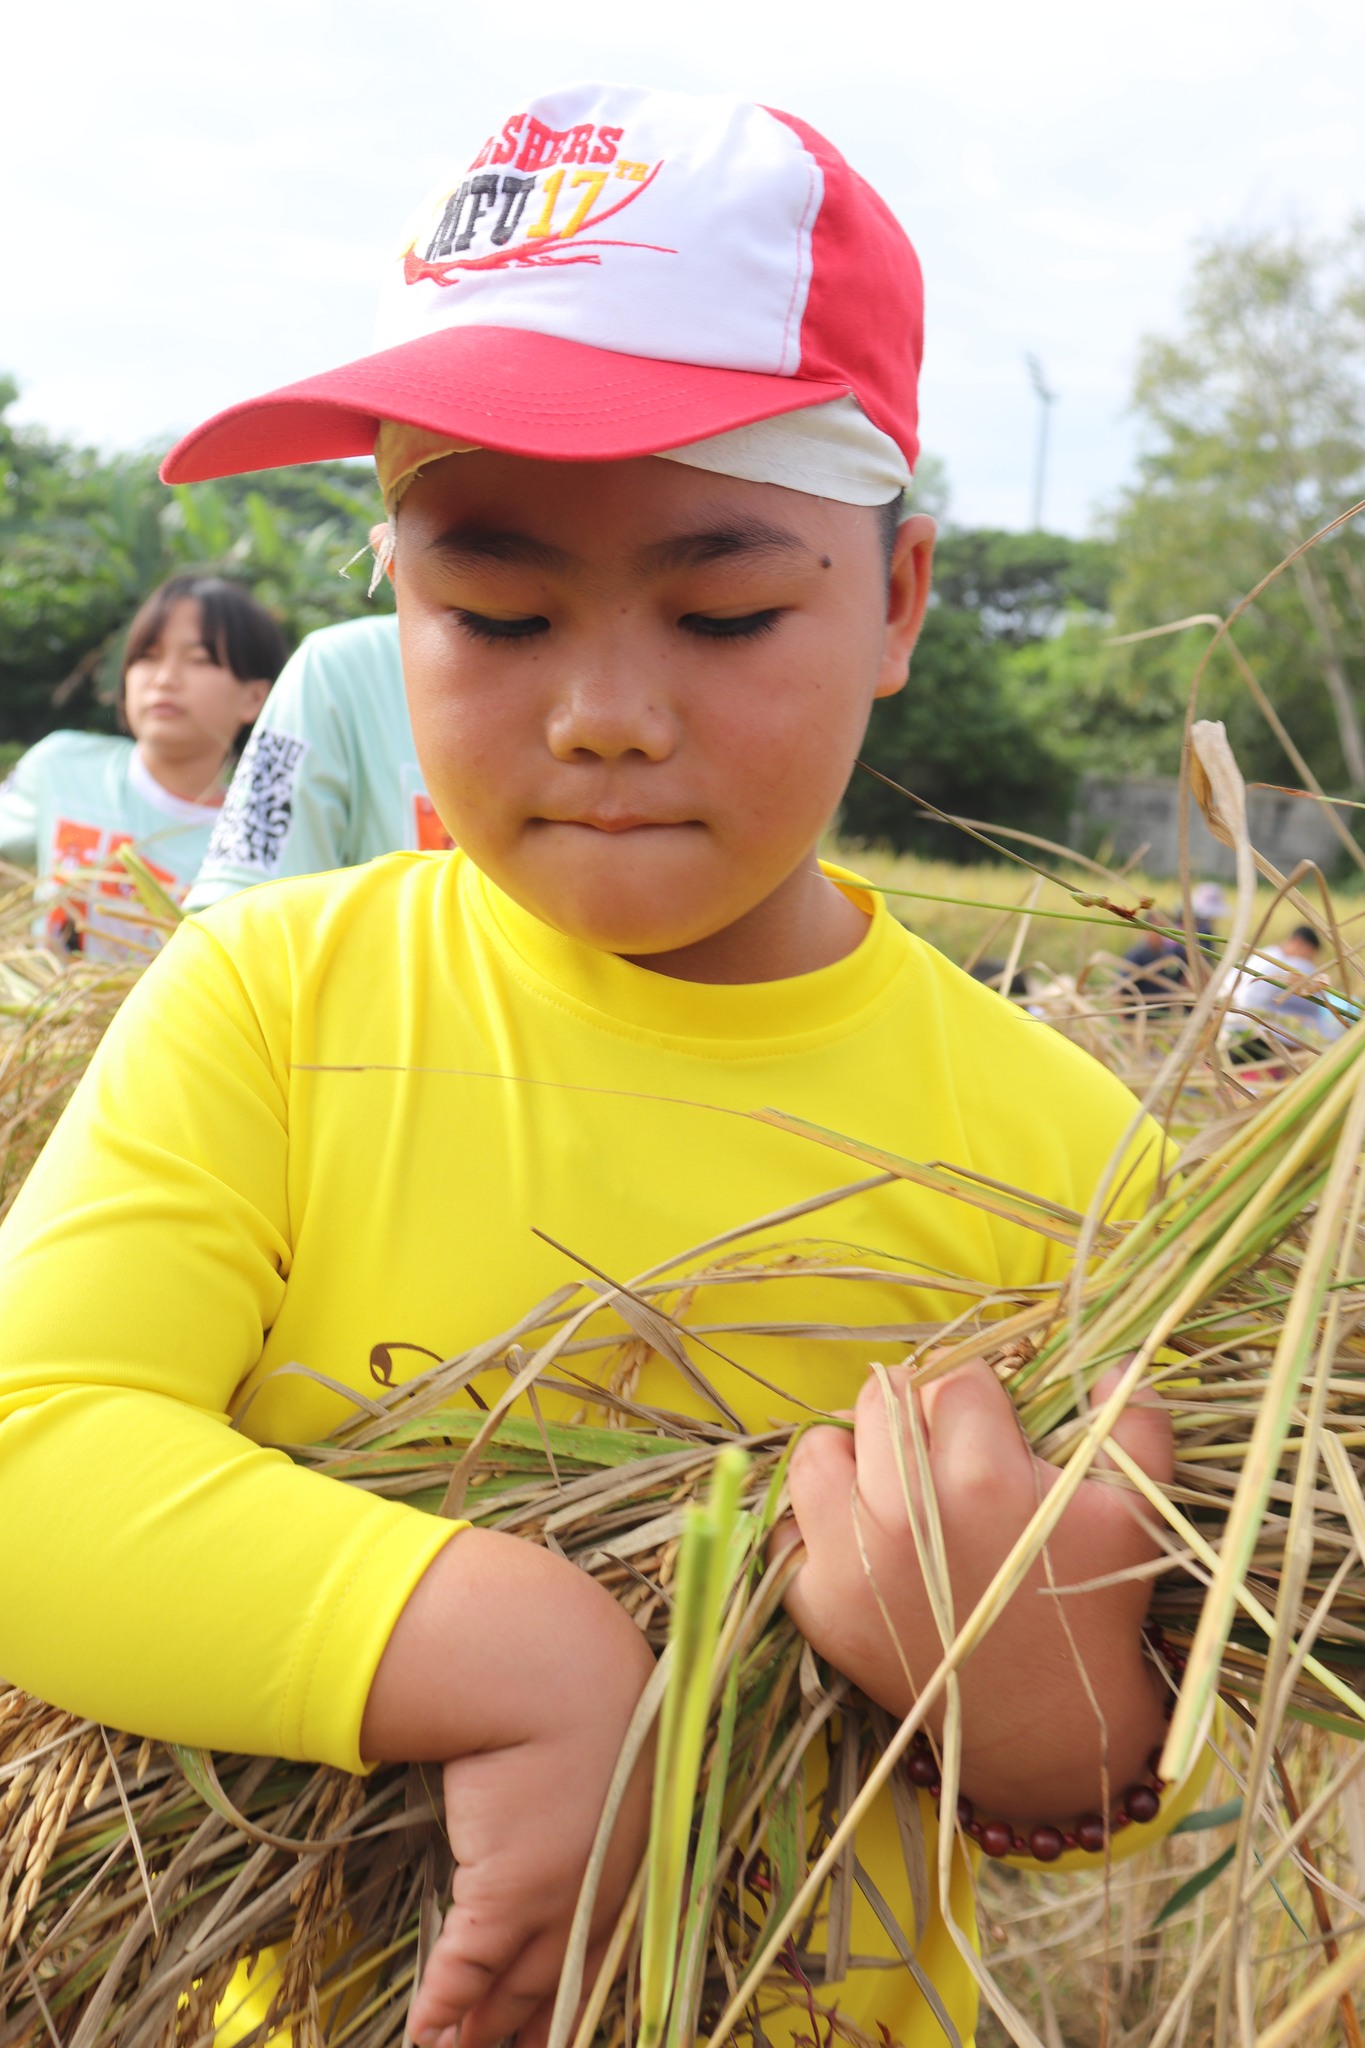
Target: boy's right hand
(520,1675)
(522,1822)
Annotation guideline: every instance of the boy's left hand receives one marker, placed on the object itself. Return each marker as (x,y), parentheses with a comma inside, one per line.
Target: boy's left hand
(1032,1741)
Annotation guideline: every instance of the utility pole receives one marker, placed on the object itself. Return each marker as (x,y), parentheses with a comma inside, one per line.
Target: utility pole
(1046,400)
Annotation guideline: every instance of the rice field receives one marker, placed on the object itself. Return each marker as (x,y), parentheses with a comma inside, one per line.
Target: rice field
(978,911)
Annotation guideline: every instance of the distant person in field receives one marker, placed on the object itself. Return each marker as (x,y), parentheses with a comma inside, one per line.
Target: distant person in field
(1281,985)
(200,658)
(1157,969)
(1210,906)
(329,777)
(1158,963)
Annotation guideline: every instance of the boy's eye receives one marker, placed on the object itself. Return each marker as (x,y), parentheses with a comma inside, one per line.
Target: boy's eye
(746,628)
(480,627)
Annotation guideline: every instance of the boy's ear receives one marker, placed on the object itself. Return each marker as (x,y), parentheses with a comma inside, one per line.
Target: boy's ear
(907,596)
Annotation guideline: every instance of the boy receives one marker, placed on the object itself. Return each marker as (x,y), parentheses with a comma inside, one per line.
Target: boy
(642,450)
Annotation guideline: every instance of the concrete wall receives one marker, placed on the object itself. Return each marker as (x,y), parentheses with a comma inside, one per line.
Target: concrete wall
(1142,811)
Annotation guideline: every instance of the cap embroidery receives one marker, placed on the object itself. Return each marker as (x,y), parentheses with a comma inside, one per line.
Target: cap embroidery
(540,244)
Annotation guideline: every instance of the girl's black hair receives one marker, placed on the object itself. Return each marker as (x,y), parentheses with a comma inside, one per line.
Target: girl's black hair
(239,633)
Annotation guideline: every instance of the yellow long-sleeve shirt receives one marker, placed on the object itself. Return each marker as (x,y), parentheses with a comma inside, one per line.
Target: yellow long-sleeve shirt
(331,1116)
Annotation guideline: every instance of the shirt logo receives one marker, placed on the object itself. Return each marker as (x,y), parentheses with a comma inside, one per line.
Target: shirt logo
(83,858)
(560,183)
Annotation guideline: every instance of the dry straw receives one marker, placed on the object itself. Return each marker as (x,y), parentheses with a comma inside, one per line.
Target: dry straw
(135,1878)
(55,1005)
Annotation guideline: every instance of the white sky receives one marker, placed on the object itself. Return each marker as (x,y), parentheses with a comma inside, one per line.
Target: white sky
(197,200)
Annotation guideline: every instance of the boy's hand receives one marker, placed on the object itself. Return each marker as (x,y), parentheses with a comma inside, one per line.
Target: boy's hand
(1032,1742)
(522,1822)
(520,1674)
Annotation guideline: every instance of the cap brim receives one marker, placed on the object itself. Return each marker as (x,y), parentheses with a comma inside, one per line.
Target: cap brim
(499,387)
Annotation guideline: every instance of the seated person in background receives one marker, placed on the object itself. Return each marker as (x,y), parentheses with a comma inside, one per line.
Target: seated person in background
(1279,986)
(1159,968)
(1210,906)
(1160,958)
(200,658)
(329,778)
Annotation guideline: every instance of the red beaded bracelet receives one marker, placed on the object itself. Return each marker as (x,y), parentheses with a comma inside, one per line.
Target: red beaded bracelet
(1044,1842)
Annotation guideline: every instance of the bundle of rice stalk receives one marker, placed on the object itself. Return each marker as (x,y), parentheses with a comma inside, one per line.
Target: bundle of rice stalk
(55,1006)
(136,1878)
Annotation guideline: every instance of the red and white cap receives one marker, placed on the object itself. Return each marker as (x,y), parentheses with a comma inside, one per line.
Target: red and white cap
(618,272)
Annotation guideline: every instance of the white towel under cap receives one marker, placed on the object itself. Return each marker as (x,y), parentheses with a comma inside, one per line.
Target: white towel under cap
(828,451)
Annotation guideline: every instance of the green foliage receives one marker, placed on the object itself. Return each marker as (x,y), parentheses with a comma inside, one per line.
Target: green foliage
(1096,715)
(954,736)
(1021,585)
(1255,425)
(84,537)
(966,732)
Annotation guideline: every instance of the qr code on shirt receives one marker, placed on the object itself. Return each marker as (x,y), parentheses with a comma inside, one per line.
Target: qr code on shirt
(258,810)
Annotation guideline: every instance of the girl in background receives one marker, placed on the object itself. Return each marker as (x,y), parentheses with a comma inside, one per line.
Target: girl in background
(200,658)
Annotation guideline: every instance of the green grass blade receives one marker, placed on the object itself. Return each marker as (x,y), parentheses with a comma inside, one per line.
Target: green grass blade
(1182,1896)
(704,1576)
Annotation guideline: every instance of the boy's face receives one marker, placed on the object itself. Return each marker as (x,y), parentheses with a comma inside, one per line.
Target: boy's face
(638,689)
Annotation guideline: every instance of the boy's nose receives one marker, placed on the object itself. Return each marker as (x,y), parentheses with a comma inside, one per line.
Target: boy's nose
(607,716)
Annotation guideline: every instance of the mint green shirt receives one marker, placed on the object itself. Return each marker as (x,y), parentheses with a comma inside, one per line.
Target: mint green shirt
(67,807)
(329,777)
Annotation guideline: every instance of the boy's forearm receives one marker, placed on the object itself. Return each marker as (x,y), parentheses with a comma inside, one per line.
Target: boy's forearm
(498,1638)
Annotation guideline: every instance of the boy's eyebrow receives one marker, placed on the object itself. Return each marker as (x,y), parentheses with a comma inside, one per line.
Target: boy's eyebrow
(475,545)
(730,537)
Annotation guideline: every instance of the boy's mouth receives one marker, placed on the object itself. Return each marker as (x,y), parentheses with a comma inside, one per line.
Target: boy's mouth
(618,821)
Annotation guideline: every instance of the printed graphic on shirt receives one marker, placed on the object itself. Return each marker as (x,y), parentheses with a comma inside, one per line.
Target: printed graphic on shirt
(426,833)
(85,868)
(559,184)
(259,808)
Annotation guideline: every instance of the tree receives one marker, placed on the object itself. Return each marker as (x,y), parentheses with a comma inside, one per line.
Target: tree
(961,734)
(1255,426)
(1022,586)
(84,537)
